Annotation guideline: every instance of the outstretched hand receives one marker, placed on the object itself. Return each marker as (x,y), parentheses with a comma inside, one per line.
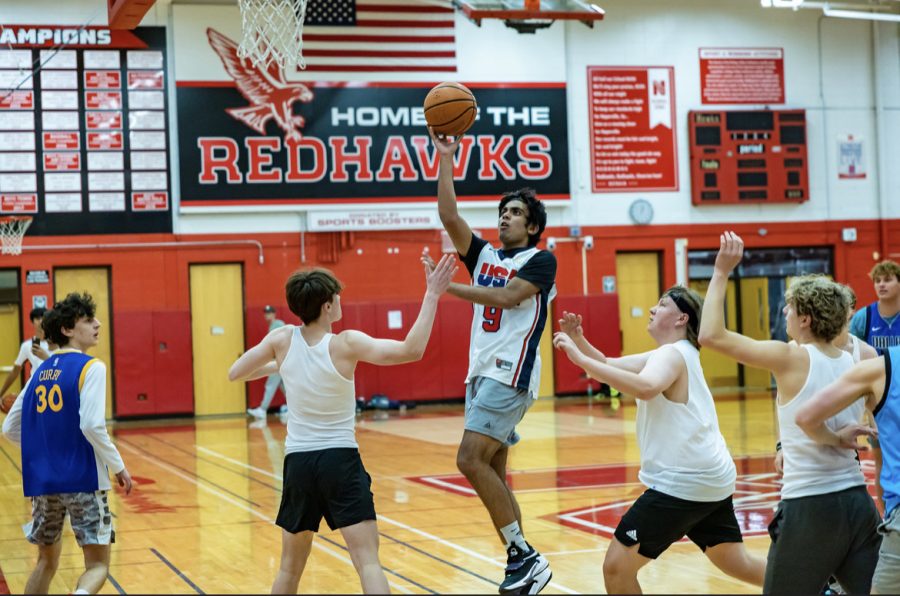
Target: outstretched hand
(427,261)
(444,146)
(561,341)
(851,432)
(570,324)
(438,277)
(731,251)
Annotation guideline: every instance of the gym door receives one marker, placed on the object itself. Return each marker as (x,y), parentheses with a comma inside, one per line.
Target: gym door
(638,280)
(217,334)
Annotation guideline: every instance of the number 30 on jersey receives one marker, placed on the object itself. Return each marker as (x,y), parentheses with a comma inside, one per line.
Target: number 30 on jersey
(52,398)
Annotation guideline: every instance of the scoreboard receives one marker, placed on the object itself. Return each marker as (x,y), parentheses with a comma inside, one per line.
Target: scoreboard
(748,156)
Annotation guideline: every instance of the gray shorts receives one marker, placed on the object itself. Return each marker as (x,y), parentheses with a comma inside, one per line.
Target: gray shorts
(88,513)
(887,572)
(818,536)
(494,409)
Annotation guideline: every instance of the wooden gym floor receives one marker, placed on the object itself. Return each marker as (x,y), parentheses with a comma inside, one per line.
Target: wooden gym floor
(200,518)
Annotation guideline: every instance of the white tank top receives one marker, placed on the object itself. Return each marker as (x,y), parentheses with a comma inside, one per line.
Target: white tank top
(683,453)
(855,353)
(809,467)
(321,402)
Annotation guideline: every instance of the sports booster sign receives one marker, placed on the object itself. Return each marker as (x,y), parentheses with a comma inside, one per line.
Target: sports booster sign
(368,143)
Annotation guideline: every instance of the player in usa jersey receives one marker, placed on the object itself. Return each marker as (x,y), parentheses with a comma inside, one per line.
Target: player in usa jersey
(510,292)
(59,421)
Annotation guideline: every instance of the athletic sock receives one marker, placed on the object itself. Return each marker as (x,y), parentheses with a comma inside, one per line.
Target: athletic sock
(512,534)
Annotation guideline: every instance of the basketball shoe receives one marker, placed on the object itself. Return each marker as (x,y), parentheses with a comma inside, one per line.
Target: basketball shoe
(527,572)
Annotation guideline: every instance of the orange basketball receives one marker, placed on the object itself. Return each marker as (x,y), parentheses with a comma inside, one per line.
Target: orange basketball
(450,109)
(7,402)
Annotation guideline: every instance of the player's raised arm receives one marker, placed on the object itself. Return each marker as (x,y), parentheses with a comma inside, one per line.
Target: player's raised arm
(361,346)
(459,231)
(771,355)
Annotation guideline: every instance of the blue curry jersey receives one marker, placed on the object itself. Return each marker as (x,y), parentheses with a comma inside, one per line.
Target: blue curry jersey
(879,334)
(56,457)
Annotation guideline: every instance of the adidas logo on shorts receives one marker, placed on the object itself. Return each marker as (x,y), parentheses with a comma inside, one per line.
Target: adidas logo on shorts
(632,534)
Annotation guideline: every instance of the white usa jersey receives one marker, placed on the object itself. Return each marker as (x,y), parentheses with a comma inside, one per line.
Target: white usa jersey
(504,342)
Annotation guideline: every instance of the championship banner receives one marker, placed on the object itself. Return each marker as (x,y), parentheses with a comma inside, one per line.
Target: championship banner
(85,129)
(260,139)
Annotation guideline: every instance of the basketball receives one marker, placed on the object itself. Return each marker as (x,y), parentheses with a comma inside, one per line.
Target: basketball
(450,109)
(7,402)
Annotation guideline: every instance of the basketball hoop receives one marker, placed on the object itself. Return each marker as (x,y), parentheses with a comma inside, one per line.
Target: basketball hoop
(12,230)
(273,32)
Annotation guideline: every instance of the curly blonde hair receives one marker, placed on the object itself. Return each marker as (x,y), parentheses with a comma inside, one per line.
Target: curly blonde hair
(851,296)
(823,301)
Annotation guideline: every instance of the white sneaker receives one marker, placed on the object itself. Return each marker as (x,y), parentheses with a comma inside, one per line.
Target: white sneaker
(283,409)
(257,412)
(258,423)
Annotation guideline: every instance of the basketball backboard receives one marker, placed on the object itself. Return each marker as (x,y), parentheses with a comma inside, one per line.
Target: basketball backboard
(527,16)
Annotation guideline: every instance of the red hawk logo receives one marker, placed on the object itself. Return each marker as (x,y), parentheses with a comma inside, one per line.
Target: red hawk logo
(269,94)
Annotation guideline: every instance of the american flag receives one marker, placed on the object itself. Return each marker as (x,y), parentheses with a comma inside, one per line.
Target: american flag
(379,36)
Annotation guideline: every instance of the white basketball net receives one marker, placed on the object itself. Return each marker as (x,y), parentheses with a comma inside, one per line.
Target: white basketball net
(12,229)
(273,32)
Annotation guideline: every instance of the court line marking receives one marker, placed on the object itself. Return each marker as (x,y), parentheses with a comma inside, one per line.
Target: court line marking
(431,556)
(142,451)
(464,550)
(239,463)
(404,526)
(116,584)
(4,587)
(191,454)
(11,460)
(278,477)
(240,505)
(448,485)
(177,571)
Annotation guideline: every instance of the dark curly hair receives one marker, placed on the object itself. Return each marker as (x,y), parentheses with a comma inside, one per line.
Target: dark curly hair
(65,314)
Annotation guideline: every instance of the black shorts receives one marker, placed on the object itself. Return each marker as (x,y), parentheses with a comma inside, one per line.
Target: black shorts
(331,483)
(656,520)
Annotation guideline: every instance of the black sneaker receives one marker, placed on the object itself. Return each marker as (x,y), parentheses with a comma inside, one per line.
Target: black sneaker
(832,588)
(526,572)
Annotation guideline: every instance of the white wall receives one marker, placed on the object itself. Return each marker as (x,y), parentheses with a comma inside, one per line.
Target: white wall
(654,33)
(833,81)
